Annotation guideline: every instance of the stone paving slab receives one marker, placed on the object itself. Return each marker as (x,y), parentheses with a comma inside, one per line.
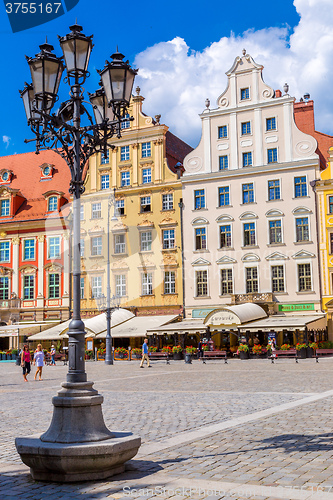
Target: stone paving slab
(287,455)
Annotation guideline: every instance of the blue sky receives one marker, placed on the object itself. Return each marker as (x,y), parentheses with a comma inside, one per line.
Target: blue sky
(183,50)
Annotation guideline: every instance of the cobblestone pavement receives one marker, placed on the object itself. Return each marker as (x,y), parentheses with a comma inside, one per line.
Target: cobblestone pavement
(248,429)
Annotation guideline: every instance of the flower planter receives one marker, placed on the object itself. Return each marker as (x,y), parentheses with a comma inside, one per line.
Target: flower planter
(177,355)
(9,356)
(3,357)
(188,358)
(120,355)
(301,353)
(310,353)
(244,354)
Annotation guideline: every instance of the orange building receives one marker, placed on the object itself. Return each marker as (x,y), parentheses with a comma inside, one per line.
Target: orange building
(34,240)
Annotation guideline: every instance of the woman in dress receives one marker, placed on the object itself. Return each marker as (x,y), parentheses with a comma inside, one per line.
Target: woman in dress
(39,361)
(25,362)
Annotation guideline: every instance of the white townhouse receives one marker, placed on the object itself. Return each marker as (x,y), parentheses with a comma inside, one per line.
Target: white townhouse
(249,216)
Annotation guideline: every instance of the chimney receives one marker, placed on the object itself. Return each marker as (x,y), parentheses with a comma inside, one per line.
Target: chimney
(278,93)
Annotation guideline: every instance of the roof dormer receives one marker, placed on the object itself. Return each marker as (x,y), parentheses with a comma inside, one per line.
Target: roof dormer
(5,176)
(10,201)
(54,200)
(46,171)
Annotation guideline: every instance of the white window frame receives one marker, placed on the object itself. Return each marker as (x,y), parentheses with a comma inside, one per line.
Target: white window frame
(24,240)
(226,268)
(105,181)
(120,246)
(51,201)
(6,250)
(221,224)
(6,205)
(145,242)
(250,265)
(57,256)
(147,283)
(124,153)
(96,213)
(99,246)
(300,262)
(96,284)
(270,219)
(283,265)
(198,269)
(120,285)
(168,201)
(169,282)
(250,221)
(125,178)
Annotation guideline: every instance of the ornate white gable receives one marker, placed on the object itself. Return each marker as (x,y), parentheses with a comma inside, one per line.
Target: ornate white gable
(201,262)
(301,211)
(224,218)
(274,212)
(303,254)
(226,260)
(248,215)
(199,220)
(277,256)
(250,257)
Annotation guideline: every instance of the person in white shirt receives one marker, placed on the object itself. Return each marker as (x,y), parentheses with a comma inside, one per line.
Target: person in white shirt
(39,361)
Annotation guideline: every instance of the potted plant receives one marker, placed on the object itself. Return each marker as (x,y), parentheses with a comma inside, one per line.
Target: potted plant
(89,354)
(177,352)
(285,347)
(257,349)
(14,353)
(152,349)
(136,352)
(121,352)
(301,350)
(205,347)
(190,350)
(9,354)
(243,350)
(2,355)
(311,349)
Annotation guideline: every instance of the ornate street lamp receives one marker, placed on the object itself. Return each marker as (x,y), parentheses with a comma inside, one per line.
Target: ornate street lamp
(77,446)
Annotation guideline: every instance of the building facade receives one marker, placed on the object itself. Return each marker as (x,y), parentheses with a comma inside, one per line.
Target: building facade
(139,179)
(34,240)
(250,215)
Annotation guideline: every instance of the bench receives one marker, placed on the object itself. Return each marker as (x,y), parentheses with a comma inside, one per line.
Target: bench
(57,357)
(159,355)
(290,352)
(214,355)
(323,351)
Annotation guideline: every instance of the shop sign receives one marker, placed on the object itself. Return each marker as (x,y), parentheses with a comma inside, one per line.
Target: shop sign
(200,313)
(296,307)
(223,318)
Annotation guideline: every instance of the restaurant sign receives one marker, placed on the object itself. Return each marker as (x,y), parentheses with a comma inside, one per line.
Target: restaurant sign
(221,318)
(296,307)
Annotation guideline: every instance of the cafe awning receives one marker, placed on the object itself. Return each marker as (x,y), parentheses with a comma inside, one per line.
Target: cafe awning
(180,327)
(279,323)
(21,328)
(233,316)
(139,326)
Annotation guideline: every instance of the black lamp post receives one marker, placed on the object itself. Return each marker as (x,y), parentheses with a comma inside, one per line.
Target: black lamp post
(77,417)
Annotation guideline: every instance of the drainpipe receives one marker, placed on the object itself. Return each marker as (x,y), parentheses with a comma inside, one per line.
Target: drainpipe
(181,206)
(313,185)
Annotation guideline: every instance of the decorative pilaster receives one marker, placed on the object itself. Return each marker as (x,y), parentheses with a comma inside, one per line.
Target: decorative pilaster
(158,155)
(40,280)
(15,275)
(66,271)
(113,154)
(135,153)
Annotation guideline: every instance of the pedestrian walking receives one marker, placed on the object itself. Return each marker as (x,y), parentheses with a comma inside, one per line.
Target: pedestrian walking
(39,361)
(25,362)
(200,350)
(53,351)
(145,354)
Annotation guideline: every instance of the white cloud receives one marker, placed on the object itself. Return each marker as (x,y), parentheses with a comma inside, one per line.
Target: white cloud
(6,140)
(176,80)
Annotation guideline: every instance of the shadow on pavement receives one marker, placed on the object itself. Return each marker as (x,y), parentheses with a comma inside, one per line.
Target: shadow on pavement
(300,442)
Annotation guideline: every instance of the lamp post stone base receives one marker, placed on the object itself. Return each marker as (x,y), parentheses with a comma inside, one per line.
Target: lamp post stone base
(77,446)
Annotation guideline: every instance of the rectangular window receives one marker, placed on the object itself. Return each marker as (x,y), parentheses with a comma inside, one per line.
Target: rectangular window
(96,245)
(169,282)
(270,124)
(105,181)
(199,199)
(304,277)
(146,239)
(225,236)
(302,229)
(245,93)
(222,132)
(330,204)
(105,159)
(145,150)
(81,247)
(223,162)
(126,123)
(274,190)
(247,159)
(275,231)
(4,251)
(81,212)
(168,236)
(300,187)
(54,286)
(251,279)
(272,155)
(200,238)
(224,198)
(248,193)
(124,153)
(96,286)
(246,128)
(201,283)
(29,249)
(147,283)
(167,201)
(277,279)
(120,285)
(52,204)
(226,281)
(4,208)
(146,175)
(145,204)
(54,247)
(125,179)
(249,234)
(96,210)
(81,288)
(331,243)
(120,207)
(119,243)
(4,288)
(28,287)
